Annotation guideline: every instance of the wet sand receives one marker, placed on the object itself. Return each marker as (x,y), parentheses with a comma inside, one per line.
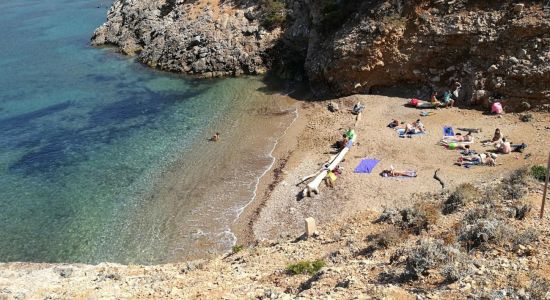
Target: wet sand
(276,212)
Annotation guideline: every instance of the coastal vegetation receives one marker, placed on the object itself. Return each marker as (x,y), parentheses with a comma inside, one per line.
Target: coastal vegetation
(539,172)
(305,267)
(274,14)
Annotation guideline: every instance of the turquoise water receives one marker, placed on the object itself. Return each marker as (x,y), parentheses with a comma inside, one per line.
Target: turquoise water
(93,144)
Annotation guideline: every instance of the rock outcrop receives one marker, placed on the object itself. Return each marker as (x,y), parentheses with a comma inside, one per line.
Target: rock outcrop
(209,39)
(498,49)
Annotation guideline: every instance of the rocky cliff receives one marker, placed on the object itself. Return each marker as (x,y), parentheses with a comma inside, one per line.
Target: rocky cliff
(497,49)
(205,38)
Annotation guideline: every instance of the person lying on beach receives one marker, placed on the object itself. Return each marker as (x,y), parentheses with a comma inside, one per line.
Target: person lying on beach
(393,173)
(459,138)
(215,137)
(454,145)
(488,159)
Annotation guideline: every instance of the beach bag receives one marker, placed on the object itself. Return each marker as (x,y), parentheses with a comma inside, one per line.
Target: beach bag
(496,108)
(414,102)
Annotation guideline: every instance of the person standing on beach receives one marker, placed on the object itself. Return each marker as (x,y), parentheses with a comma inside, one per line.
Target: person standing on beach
(215,137)
(456,90)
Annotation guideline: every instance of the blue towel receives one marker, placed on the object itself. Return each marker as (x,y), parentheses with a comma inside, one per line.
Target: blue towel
(448,131)
(366,166)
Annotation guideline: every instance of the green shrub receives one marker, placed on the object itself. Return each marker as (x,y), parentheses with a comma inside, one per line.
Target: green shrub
(237,248)
(539,172)
(274,13)
(305,267)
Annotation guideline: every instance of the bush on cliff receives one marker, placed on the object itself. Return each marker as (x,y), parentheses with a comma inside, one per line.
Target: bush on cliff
(305,267)
(274,14)
(539,172)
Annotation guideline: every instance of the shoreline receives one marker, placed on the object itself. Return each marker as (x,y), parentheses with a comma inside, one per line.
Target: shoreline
(284,147)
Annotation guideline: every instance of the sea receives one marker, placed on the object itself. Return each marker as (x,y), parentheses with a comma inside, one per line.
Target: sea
(103,159)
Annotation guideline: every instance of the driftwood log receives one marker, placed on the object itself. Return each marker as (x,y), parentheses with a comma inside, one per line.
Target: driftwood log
(313,186)
(436,177)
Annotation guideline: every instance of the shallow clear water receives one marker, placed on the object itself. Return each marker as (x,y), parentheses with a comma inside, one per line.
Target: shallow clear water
(103,159)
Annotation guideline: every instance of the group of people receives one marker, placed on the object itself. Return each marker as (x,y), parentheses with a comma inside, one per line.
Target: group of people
(501,146)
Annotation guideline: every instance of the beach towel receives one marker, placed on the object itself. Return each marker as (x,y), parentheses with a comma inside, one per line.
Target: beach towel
(401,133)
(448,131)
(366,166)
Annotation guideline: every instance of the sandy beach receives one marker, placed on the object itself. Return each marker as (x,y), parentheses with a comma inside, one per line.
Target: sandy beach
(277,213)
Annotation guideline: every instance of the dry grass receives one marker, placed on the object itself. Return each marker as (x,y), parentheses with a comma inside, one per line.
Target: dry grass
(464,194)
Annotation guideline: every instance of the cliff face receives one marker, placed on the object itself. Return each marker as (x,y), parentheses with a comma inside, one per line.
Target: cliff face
(494,48)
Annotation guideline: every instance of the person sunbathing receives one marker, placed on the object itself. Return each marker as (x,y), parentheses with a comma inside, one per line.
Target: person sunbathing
(459,138)
(479,159)
(454,145)
(393,173)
